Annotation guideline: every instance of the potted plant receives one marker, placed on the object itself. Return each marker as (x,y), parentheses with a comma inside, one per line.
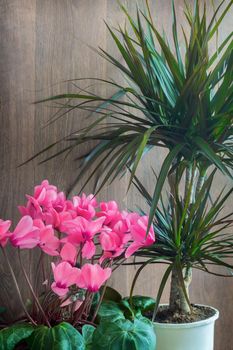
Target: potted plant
(181,102)
(64,308)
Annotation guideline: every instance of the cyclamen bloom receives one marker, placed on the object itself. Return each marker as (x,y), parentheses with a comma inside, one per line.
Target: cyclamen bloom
(138,232)
(112,243)
(45,194)
(85,205)
(4,233)
(82,225)
(32,208)
(25,235)
(65,276)
(110,211)
(48,242)
(82,231)
(93,277)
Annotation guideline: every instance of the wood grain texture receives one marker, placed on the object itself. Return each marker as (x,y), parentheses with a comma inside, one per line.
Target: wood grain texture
(42,44)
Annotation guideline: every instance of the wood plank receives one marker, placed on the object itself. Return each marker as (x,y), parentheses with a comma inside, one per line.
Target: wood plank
(42,44)
(17,76)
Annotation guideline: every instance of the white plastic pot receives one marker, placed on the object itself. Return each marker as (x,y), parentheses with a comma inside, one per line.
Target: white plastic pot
(186,336)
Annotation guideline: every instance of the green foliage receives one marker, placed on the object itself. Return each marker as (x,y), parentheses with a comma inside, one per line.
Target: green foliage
(122,325)
(11,336)
(125,335)
(180,102)
(190,234)
(87,333)
(112,294)
(139,304)
(112,310)
(61,337)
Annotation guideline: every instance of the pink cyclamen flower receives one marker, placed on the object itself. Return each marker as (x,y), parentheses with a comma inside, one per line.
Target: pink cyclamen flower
(4,233)
(25,235)
(138,233)
(110,211)
(82,231)
(93,277)
(45,193)
(59,204)
(65,276)
(49,243)
(51,217)
(69,253)
(112,243)
(32,208)
(132,219)
(85,205)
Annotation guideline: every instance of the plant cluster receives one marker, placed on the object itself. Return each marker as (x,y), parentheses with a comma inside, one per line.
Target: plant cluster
(84,242)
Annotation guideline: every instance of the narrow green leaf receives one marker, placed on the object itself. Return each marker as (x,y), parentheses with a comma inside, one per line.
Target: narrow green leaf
(209,153)
(172,155)
(140,151)
(161,289)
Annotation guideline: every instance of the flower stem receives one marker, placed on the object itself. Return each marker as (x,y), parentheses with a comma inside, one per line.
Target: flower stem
(32,291)
(81,309)
(99,303)
(17,287)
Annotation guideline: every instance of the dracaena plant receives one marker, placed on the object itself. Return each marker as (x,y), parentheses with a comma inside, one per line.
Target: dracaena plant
(180,101)
(68,232)
(190,233)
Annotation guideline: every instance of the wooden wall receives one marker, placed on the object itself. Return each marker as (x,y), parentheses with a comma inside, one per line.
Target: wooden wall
(42,43)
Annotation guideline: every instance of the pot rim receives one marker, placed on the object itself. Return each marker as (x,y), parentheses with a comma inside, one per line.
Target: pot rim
(200,323)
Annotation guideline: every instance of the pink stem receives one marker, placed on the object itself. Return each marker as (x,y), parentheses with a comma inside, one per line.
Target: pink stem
(17,288)
(32,291)
(99,303)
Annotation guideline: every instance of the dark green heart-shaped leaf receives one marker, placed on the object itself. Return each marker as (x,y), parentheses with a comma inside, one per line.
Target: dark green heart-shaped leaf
(110,311)
(139,303)
(124,335)
(112,294)
(11,336)
(61,337)
(87,332)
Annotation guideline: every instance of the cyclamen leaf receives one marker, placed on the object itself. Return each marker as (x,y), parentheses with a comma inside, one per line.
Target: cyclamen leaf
(112,294)
(142,303)
(125,335)
(87,332)
(11,336)
(61,337)
(110,311)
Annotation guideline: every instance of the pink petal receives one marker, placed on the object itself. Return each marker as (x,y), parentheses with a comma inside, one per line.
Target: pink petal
(132,249)
(27,242)
(4,226)
(69,253)
(88,250)
(96,226)
(60,291)
(66,274)
(94,276)
(24,226)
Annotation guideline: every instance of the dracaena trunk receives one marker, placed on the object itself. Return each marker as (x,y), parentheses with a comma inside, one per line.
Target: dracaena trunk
(179,291)
(178,301)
